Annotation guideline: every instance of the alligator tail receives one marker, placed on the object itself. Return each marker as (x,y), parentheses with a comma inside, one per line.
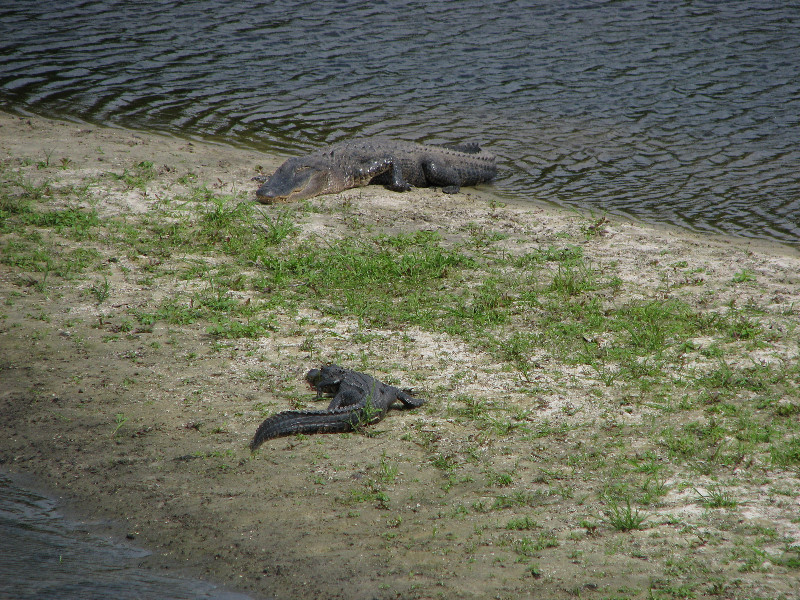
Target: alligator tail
(307,421)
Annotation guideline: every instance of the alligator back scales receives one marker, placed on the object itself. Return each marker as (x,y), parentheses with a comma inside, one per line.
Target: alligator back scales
(397,164)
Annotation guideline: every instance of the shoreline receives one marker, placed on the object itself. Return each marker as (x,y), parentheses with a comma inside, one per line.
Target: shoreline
(31,513)
(142,350)
(272,161)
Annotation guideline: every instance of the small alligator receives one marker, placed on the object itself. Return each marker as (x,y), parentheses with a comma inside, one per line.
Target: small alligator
(398,165)
(358,400)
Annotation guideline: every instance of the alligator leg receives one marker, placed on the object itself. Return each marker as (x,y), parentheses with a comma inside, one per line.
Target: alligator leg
(387,172)
(409,401)
(346,397)
(398,184)
(437,173)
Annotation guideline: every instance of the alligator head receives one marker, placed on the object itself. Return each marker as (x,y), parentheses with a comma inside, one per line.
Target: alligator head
(296,179)
(325,381)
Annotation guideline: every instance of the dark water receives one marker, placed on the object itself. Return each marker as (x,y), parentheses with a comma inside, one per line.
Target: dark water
(43,555)
(679,112)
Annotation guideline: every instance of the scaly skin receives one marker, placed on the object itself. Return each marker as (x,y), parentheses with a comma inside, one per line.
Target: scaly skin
(398,165)
(358,400)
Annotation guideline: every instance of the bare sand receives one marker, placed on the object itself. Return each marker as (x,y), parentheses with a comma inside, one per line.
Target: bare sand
(149,428)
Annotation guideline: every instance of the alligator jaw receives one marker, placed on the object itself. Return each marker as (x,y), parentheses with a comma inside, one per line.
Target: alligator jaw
(295,180)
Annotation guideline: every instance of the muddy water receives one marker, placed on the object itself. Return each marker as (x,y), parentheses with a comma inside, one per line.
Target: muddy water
(44,555)
(683,113)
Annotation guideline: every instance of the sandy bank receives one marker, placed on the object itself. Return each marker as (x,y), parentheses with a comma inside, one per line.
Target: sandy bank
(141,348)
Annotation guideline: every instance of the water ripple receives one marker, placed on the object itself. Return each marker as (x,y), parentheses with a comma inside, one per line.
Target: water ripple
(43,555)
(689,116)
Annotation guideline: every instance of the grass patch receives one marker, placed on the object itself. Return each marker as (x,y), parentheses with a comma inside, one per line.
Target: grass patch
(522,524)
(715,497)
(580,378)
(622,516)
(787,454)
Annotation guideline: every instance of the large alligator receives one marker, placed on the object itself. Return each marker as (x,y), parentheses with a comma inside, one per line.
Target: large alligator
(398,165)
(358,400)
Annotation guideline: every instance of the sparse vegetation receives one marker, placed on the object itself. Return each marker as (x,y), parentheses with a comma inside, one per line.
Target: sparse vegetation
(622,517)
(715,497)
(588,408)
